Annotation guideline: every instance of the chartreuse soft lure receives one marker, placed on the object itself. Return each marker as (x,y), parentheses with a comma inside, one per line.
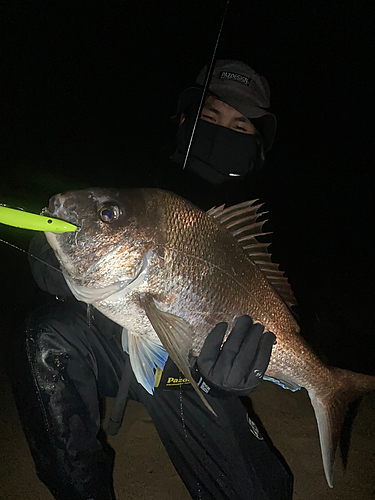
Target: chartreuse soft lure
(27,220)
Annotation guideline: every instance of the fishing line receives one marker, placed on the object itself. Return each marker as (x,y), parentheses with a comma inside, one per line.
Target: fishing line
(186,437)
(88,308)
(204,93)
(208,78)
(31,255)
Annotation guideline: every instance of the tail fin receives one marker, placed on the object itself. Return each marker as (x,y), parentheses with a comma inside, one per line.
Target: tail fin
(330,410)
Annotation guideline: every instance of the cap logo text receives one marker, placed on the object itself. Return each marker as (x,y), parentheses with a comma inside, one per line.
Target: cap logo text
(227,75)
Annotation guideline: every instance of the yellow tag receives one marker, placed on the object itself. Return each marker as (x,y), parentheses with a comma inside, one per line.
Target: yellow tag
(172,381)
(158,375)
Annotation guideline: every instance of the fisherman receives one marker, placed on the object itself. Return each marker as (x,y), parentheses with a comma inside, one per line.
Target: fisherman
(69,361)
(231,139)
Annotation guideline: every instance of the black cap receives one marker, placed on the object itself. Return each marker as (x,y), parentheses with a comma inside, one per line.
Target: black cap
(239,86)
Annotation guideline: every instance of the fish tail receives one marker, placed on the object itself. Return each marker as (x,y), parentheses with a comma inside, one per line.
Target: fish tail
(330,410)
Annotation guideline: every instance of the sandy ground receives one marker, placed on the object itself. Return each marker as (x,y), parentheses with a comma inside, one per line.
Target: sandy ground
(143,469)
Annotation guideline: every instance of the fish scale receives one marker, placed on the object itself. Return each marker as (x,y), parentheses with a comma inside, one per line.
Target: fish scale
(225,281)
(174,272)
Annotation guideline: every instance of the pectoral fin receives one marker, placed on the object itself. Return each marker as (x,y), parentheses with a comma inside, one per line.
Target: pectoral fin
(176,336)
(146,355)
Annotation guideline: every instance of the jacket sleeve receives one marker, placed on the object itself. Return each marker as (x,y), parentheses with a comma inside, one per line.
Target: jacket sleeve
(45,267)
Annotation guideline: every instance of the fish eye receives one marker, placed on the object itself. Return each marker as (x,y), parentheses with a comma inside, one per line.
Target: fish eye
(109,213)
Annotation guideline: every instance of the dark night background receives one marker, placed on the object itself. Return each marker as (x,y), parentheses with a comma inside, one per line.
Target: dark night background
(87,92)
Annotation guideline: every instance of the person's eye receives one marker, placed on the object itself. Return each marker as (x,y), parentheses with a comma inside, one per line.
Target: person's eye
(109,213)
(241,129)
(207,117)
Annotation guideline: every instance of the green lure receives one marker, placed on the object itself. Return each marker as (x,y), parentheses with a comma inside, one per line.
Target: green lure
(27,220)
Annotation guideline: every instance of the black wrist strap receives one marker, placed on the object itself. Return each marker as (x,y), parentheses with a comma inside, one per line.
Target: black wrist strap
(211,389)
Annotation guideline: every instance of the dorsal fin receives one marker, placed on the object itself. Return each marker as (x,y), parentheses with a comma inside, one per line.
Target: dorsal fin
(242,221)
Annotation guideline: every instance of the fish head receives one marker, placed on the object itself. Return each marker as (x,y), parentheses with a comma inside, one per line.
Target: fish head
(117,231)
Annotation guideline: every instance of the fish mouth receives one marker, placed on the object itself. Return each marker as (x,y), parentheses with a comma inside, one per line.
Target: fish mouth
(57,210)
(114,291)
(46,212)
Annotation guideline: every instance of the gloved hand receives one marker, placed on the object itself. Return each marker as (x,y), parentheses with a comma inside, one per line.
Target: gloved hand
(238,367)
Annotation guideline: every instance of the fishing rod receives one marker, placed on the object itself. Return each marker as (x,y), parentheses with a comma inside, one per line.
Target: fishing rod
(205,87)
(118,410)
(26,220)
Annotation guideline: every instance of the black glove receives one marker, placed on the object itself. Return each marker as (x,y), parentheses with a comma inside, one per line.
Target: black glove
(238,367)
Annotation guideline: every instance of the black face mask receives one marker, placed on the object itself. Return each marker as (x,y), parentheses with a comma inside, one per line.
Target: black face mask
(218,154)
